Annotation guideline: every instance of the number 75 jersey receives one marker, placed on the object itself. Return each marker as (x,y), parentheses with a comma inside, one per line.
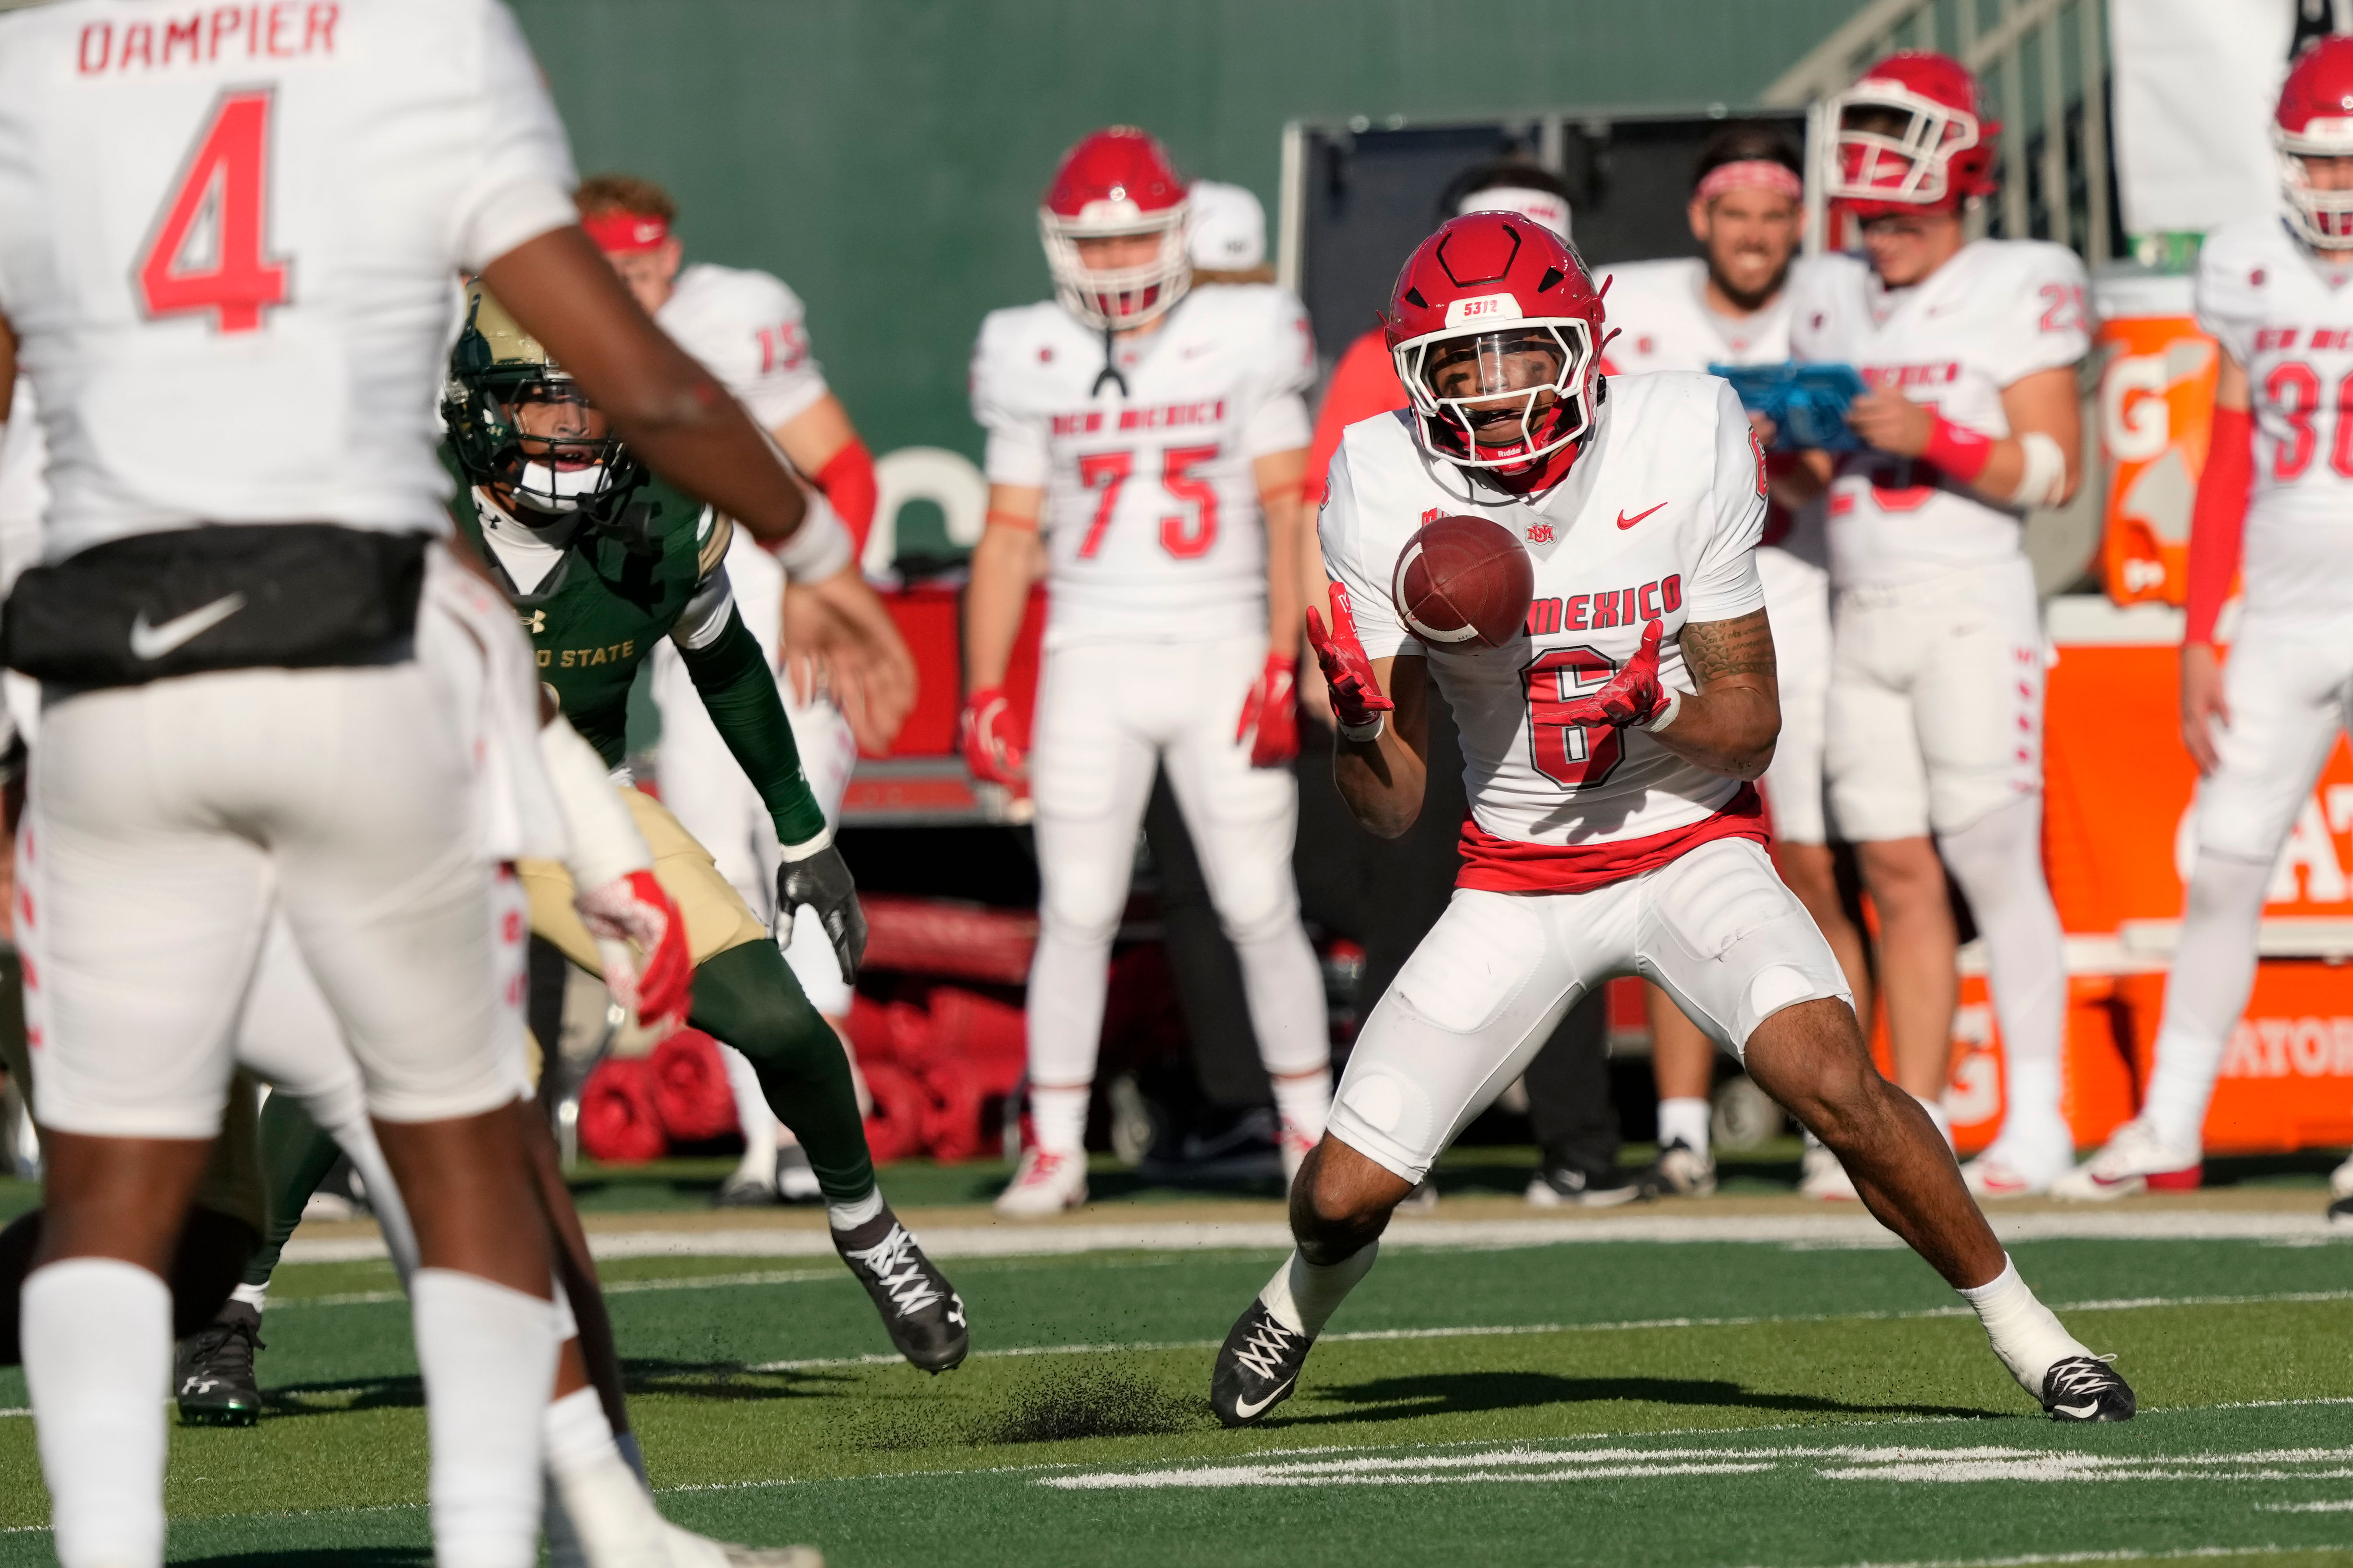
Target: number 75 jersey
(230,237)
(1152,521)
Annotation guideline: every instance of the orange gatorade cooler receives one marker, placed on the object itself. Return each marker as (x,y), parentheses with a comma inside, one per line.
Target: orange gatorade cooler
(2156,396)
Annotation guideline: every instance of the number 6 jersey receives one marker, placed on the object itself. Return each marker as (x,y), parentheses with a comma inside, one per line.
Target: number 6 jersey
(230,237)
(1658,521)
(1151,519)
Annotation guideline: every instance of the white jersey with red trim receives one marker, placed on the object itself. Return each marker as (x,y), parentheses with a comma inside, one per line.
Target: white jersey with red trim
(1657,520)
(748,330)
(2287,317)
(229,239)
(1998,312)
(1152,519)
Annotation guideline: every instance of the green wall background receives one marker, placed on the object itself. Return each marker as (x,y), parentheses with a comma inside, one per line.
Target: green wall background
(884,157)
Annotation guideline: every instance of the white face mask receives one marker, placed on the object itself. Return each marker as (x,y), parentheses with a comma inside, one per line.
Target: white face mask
(546,488)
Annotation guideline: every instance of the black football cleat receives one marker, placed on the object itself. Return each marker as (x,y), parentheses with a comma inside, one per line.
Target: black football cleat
(2085,1388)
(920,1308)
(1258,1367)
(213,1378)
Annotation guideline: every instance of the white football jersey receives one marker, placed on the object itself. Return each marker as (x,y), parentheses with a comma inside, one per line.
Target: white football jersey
(1997,312)
(1152,519)
(1657,521)
(229,239)
(748,330)
(2280,312)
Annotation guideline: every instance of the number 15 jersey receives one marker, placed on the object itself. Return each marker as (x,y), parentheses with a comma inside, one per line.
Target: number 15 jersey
(1151,519)
(229,243)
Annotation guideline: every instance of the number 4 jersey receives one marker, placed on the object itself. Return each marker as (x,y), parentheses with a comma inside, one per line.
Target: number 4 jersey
(2275,310)
(1658,521)
(1152,519)
(230,237)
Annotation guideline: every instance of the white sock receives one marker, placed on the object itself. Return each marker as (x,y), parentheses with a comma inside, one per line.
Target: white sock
(1305,1103)
(2026,1334)
(1997,861)
(488,1355)
(1940,1116)
(1058,1118)
(2213,972)
(1302,1296)
(612,1521)
(1686,1118)
(97,1336)
(761,1127)
(254,1296)
(851,1215)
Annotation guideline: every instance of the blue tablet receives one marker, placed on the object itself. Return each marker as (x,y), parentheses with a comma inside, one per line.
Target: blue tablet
(1806,402)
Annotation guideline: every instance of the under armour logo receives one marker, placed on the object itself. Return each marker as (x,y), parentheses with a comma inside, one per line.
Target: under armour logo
(537,623)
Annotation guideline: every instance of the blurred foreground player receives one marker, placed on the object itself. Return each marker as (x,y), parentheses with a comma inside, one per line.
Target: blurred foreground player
(228,275)
(2272,290)
(1728,307)
(1157,437)
(751,331)
(1612,827)
(1936,684)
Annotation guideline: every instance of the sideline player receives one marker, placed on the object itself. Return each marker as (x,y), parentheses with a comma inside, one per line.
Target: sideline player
(1936,703)
(2272,292)
(1145,449)
(1611,828)
(1728,307)
(243,498)
(750,331)
(602,561)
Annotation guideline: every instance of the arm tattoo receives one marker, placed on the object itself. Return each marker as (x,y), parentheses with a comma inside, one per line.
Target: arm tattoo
(1714,649)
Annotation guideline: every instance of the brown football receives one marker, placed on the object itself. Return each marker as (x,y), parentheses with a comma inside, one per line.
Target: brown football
(1464,582)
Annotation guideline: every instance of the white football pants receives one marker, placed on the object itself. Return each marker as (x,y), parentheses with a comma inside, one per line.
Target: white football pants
(1107,715)
(1798,605)
(1482,994)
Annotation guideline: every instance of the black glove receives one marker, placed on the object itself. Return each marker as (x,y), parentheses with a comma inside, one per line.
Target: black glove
(823,882)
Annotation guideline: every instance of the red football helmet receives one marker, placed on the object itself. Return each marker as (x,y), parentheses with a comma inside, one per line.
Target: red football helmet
(2315,120)
(1492,308)
(1911,135)
(1116,182)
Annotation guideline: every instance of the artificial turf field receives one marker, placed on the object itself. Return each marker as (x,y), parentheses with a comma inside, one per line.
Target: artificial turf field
(1696,1403)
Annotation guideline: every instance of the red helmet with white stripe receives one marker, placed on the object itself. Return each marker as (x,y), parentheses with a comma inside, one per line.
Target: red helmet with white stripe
(1910,134)
(1115,183)
(2315,120)
(1497,329)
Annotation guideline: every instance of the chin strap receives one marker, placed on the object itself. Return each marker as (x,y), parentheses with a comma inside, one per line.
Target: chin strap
(1110,371)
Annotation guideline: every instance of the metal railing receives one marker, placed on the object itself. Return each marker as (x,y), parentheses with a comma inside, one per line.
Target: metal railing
(2043,65)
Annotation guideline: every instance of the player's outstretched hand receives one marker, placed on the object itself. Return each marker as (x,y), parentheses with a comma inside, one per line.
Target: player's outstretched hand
(815,875)
(1634,694)
(990,749)
(1273,710)
(1356,700)
(655,981)
(2203,704)
(838,634)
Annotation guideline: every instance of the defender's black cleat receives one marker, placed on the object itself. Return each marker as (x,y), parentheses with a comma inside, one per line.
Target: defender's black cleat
(1258,1367)
(2085,1388)
(919,1306)
(213,1378)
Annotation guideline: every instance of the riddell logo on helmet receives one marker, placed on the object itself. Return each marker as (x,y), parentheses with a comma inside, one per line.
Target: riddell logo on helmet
(1483,307)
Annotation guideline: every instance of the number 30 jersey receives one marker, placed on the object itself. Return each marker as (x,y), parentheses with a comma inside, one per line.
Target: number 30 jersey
(2274,309)
(1151,519)
(229,243)
(1658,521)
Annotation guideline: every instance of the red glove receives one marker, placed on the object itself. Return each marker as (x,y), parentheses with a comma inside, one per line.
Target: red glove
(1635,695)
(635,910)
(990,749)
(1356,700)
(1272,708)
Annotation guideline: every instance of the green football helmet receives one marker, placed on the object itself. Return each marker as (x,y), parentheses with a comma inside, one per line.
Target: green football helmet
(518,422)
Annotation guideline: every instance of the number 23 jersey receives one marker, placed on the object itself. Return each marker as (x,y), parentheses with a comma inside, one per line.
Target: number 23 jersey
(1152,521)
(1658,521)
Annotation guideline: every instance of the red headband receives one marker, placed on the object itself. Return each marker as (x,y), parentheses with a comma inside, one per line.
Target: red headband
(1775,178)
(621,231)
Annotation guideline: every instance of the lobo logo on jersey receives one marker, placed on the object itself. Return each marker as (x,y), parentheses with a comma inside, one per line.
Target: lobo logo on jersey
(1572,756)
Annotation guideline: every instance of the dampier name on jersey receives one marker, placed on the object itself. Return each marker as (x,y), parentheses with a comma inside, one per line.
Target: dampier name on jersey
(1658,521)
(1152,521)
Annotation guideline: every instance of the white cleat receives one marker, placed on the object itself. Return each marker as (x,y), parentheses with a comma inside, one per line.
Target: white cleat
(1047,1184)
(2000,1172)
(2138,1159)
(688,1550)
(2340,1181)
(1821,1176)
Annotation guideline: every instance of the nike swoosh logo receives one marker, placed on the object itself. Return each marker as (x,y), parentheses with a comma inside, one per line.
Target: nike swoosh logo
(2079,1412)
(155,642)
(1243,1407)
(1625,521)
